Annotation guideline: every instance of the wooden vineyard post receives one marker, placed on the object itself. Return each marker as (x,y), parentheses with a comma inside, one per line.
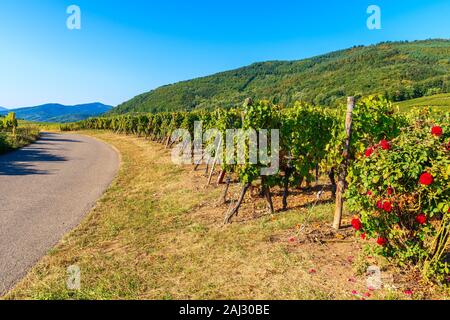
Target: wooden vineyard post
(221,177)
(343,169)
(225,192)
(234,211)
(199,162)
(167,141)
(216,158)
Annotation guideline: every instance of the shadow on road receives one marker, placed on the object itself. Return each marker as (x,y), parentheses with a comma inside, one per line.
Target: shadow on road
(49,137)
(24,161)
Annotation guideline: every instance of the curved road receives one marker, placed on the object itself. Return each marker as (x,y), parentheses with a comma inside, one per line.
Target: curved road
(45,191)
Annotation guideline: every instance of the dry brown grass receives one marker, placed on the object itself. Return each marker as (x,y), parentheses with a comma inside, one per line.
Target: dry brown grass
(157,233)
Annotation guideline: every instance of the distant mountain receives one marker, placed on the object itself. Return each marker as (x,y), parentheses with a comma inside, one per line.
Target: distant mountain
(3,109)
(59,113)
(399,70)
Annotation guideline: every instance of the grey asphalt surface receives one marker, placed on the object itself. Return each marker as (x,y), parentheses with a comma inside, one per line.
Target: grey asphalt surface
(45,191)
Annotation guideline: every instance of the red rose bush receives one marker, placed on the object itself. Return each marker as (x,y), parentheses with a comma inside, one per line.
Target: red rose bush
(400,191)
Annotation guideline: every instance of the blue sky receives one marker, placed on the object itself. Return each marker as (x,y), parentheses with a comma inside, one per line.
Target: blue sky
(125,48)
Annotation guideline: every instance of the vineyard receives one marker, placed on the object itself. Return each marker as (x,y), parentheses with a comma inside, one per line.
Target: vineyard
(13,136)
(394,167)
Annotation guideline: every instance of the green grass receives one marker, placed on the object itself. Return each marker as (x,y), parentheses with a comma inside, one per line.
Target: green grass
(24,136)
(440,102)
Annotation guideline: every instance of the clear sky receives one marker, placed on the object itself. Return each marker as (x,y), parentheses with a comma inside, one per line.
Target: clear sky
(125,48)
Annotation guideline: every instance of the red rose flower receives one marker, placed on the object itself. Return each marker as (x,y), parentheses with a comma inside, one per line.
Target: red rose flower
(426,179)
(385,145)
(436,131)
(370,151)
(380,204)
(421,219)
(363,236)
(381,241)
(369,193)
(357,224)
(408,292)
(390,191)
(387,206)
(448,146)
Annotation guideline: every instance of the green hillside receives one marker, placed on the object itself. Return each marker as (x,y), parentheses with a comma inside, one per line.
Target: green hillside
(401,70)
(54,112)
(437,102)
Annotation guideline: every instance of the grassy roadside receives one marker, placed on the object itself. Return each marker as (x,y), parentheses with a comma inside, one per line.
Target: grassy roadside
(24,136)
(157,233)
(27,133)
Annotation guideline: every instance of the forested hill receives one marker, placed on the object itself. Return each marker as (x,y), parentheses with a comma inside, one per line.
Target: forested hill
(58,112)
(401,70)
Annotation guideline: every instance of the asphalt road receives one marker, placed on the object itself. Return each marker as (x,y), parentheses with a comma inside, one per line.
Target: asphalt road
(45,191)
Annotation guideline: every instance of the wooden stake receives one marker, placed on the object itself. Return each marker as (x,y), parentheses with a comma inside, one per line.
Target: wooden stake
(317,174)
(167,141)
(213,166)
(287,175)
(201,160)
(332,181)
(343,170)
(269,200)
(216,158)
(221,177)
(235,210)
(225,192)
